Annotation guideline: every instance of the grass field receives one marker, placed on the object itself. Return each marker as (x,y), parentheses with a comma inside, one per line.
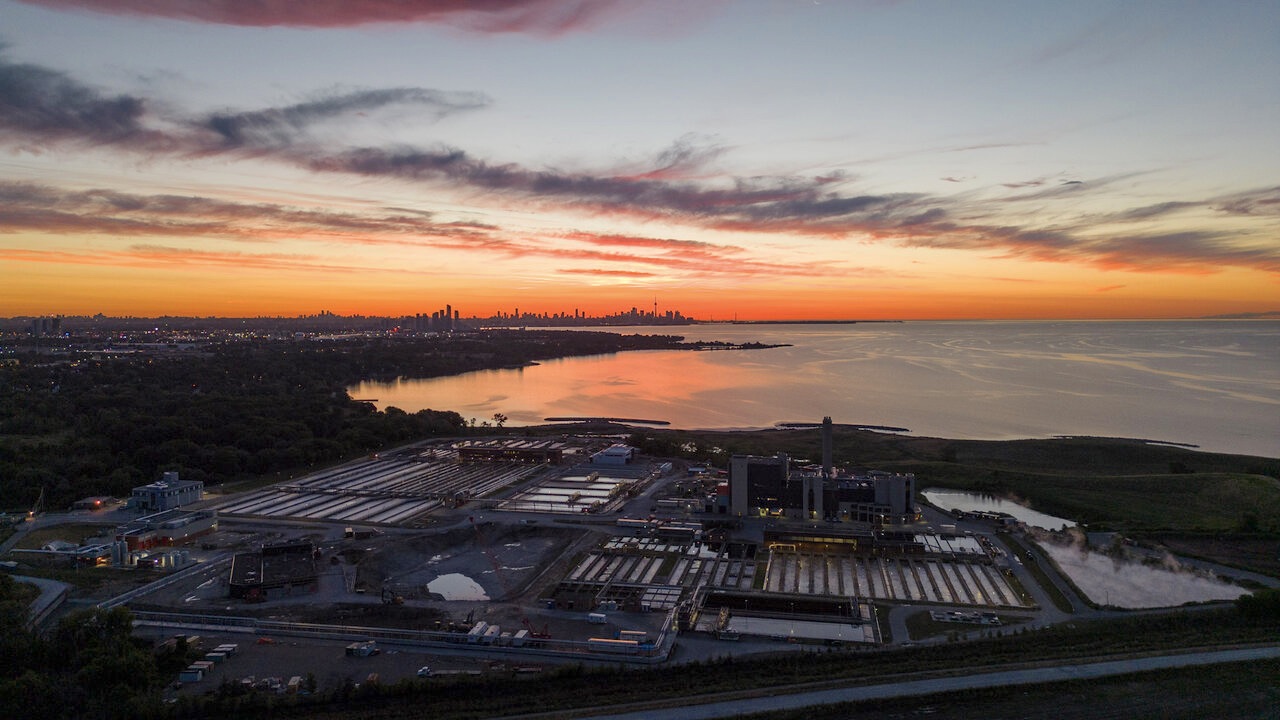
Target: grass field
(1244,691)
(1216,502)
(71,532)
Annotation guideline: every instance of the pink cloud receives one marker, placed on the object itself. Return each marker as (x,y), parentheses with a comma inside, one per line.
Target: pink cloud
(548,17)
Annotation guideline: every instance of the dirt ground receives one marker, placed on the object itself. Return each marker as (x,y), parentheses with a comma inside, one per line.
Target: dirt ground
(515,565)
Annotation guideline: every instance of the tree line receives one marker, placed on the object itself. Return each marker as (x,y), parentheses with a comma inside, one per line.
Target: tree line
(81,424)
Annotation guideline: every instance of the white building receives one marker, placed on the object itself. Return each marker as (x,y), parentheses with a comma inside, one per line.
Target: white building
(614,455)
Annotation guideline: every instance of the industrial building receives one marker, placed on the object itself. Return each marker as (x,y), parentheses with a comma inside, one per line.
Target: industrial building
(166,494)
(614,455)
(511,450)
(770,486)
(169,527)
(95,502)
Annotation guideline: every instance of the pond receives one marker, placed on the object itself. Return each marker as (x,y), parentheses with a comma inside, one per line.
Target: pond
(975,502)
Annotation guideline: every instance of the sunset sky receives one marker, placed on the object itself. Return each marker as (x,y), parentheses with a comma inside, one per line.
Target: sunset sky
(767,159)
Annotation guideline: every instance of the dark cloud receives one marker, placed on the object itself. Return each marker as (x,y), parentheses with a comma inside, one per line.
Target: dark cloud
(38,105)
(280,127)
(1026,183)
(498,16)
(41,107)
(1196,252)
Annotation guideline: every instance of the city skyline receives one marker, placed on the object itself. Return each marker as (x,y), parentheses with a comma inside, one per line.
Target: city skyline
(769,160)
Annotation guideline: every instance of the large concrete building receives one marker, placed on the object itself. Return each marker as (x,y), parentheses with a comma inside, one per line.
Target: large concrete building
(760,485)
(768,486)
(166,494)
(167,527)
(771,486)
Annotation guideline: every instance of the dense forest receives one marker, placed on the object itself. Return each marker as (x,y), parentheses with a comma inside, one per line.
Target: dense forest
(77,424)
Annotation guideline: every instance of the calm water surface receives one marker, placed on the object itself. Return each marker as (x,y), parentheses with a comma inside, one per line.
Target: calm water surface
(973,502)
(1215,384)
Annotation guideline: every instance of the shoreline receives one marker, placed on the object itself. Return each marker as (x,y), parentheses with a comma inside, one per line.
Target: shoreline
(615,425)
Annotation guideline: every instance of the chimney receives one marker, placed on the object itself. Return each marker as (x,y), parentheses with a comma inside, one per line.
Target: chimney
(827,470)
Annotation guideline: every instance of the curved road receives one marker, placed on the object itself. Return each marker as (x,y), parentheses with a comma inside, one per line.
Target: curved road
(1034,676)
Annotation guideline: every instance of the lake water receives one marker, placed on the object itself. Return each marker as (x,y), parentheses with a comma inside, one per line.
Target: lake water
(1214,384)
(972,502)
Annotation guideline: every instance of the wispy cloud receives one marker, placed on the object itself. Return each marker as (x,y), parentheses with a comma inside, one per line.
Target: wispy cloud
(1265,201)
(153,256)
(284,126)
(608,273)
(26,207)
(686,158)
(39,208)
(547,17)
(1151,212)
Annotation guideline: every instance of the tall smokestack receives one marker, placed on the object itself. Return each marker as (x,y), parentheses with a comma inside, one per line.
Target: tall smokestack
(827,470)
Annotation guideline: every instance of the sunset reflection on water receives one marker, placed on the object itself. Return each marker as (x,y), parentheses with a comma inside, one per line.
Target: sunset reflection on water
(649,385)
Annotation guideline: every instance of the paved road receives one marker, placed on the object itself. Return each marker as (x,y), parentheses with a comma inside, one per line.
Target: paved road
(733,708)
(52,594)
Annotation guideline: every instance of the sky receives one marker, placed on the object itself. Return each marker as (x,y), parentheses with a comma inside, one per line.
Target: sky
(757,159)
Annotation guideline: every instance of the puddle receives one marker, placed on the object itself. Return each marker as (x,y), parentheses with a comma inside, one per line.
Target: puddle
(456,586)
(973,502)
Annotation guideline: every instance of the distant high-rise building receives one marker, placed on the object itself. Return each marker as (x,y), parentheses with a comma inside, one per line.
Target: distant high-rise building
(46,326)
